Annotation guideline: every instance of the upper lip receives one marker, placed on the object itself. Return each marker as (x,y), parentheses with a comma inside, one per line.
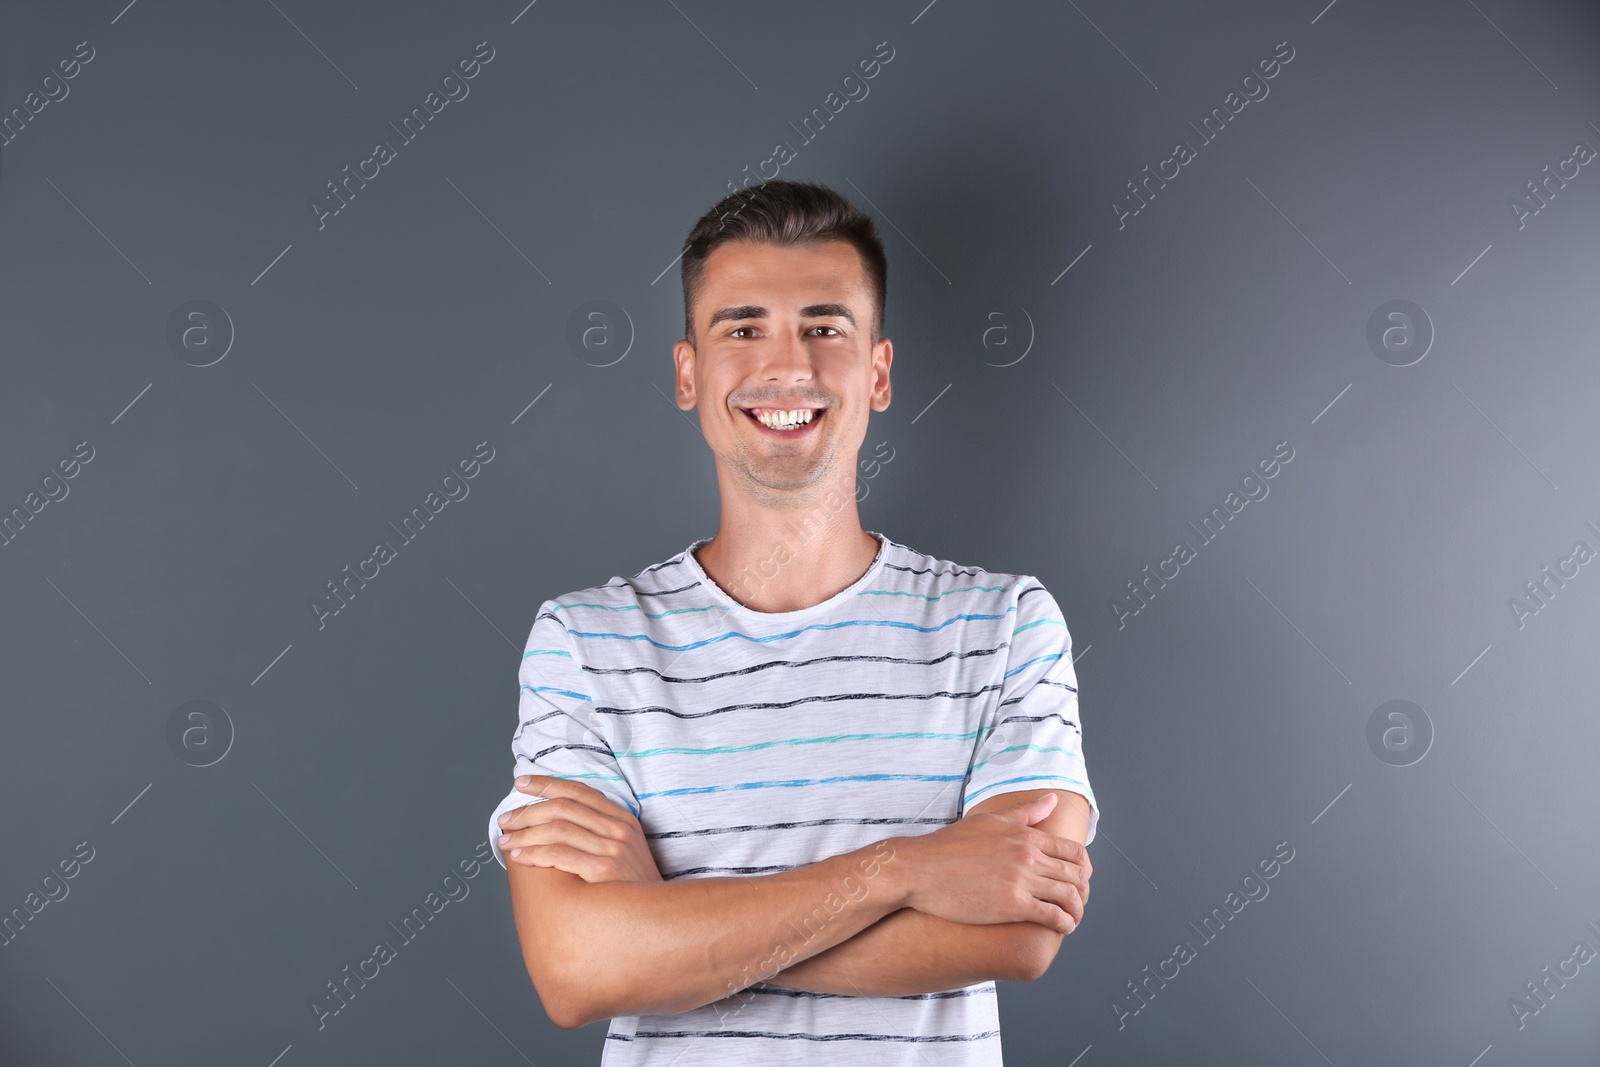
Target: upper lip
(780,407)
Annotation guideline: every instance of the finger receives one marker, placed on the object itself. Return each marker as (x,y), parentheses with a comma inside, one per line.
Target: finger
(1062,895)
(559,808)
(1064,848)
(560,832)
(1037,809)
(551,787)
(563,857)
(1049,915)
(604,823)
(1023,812)
(1061,871)
(1066,892)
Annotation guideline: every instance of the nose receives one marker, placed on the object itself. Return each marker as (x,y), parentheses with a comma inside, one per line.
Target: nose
(785,359)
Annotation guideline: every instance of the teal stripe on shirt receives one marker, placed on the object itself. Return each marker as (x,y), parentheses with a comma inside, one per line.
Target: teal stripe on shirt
(796,782)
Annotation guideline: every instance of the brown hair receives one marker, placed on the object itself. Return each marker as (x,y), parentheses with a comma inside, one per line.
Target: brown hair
(784,212)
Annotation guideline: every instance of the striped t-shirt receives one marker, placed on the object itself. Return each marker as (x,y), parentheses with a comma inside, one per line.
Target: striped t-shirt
(750,742)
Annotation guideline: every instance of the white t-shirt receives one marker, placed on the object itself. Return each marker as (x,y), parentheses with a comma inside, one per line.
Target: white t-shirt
(752,742)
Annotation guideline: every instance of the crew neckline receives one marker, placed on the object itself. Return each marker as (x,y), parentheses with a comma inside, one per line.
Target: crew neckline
(748,614)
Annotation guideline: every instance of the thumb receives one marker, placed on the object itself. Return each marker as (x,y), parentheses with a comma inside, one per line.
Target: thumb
(1032,810)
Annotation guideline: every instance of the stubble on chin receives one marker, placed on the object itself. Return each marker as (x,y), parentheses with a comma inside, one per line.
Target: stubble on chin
(799,492)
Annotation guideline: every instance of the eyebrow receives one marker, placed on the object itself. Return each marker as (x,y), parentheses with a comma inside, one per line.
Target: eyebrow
(754,311)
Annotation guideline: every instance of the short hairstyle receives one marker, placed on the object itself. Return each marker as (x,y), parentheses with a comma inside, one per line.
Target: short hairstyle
(785,212)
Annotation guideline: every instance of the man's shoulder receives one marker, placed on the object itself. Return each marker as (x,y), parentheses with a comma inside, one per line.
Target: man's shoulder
(913,568)
(620,593)
(1014,599)
(602,622)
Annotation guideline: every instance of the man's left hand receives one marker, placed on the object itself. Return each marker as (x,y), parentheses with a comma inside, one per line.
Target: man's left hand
(577,829)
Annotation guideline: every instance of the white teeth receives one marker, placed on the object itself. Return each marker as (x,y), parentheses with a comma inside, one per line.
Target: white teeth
(784,420)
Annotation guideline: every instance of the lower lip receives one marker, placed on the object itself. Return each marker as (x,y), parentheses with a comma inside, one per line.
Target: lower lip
(798,431)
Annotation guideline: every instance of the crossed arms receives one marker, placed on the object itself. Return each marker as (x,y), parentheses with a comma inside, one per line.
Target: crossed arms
(602,934)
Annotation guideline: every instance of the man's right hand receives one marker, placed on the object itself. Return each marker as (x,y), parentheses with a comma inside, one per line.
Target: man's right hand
(994,867)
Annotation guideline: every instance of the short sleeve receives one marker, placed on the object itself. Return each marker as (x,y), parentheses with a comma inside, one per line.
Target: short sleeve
(1032,738)
(558,730)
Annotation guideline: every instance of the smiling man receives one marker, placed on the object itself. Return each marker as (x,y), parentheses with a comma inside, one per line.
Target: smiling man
(799,793)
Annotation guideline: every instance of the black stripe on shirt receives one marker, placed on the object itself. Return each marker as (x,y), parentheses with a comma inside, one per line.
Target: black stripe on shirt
(928,570)
(780,1036)
(797,663)
(1038,718)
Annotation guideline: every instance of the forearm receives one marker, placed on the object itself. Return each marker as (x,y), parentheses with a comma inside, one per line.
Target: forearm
(911,952)
(627,948)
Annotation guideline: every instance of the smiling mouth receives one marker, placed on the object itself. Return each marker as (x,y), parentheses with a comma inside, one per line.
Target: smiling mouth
(785,422)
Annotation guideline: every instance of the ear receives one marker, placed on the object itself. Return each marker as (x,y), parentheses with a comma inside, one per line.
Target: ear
(882,357)
(683,360)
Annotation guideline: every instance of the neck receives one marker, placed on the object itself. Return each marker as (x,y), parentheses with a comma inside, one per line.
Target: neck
(785,559)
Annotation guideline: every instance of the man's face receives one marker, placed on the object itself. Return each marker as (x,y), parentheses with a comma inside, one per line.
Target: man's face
(784,329)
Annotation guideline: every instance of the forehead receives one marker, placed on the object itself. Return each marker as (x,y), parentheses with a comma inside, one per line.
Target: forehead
(776,276)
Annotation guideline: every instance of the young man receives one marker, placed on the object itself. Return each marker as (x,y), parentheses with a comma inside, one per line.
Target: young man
(800,793)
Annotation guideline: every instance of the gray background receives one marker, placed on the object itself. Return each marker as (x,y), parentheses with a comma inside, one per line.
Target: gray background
(1230,314)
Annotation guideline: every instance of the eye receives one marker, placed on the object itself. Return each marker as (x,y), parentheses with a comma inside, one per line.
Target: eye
(738,330)
(835,330)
